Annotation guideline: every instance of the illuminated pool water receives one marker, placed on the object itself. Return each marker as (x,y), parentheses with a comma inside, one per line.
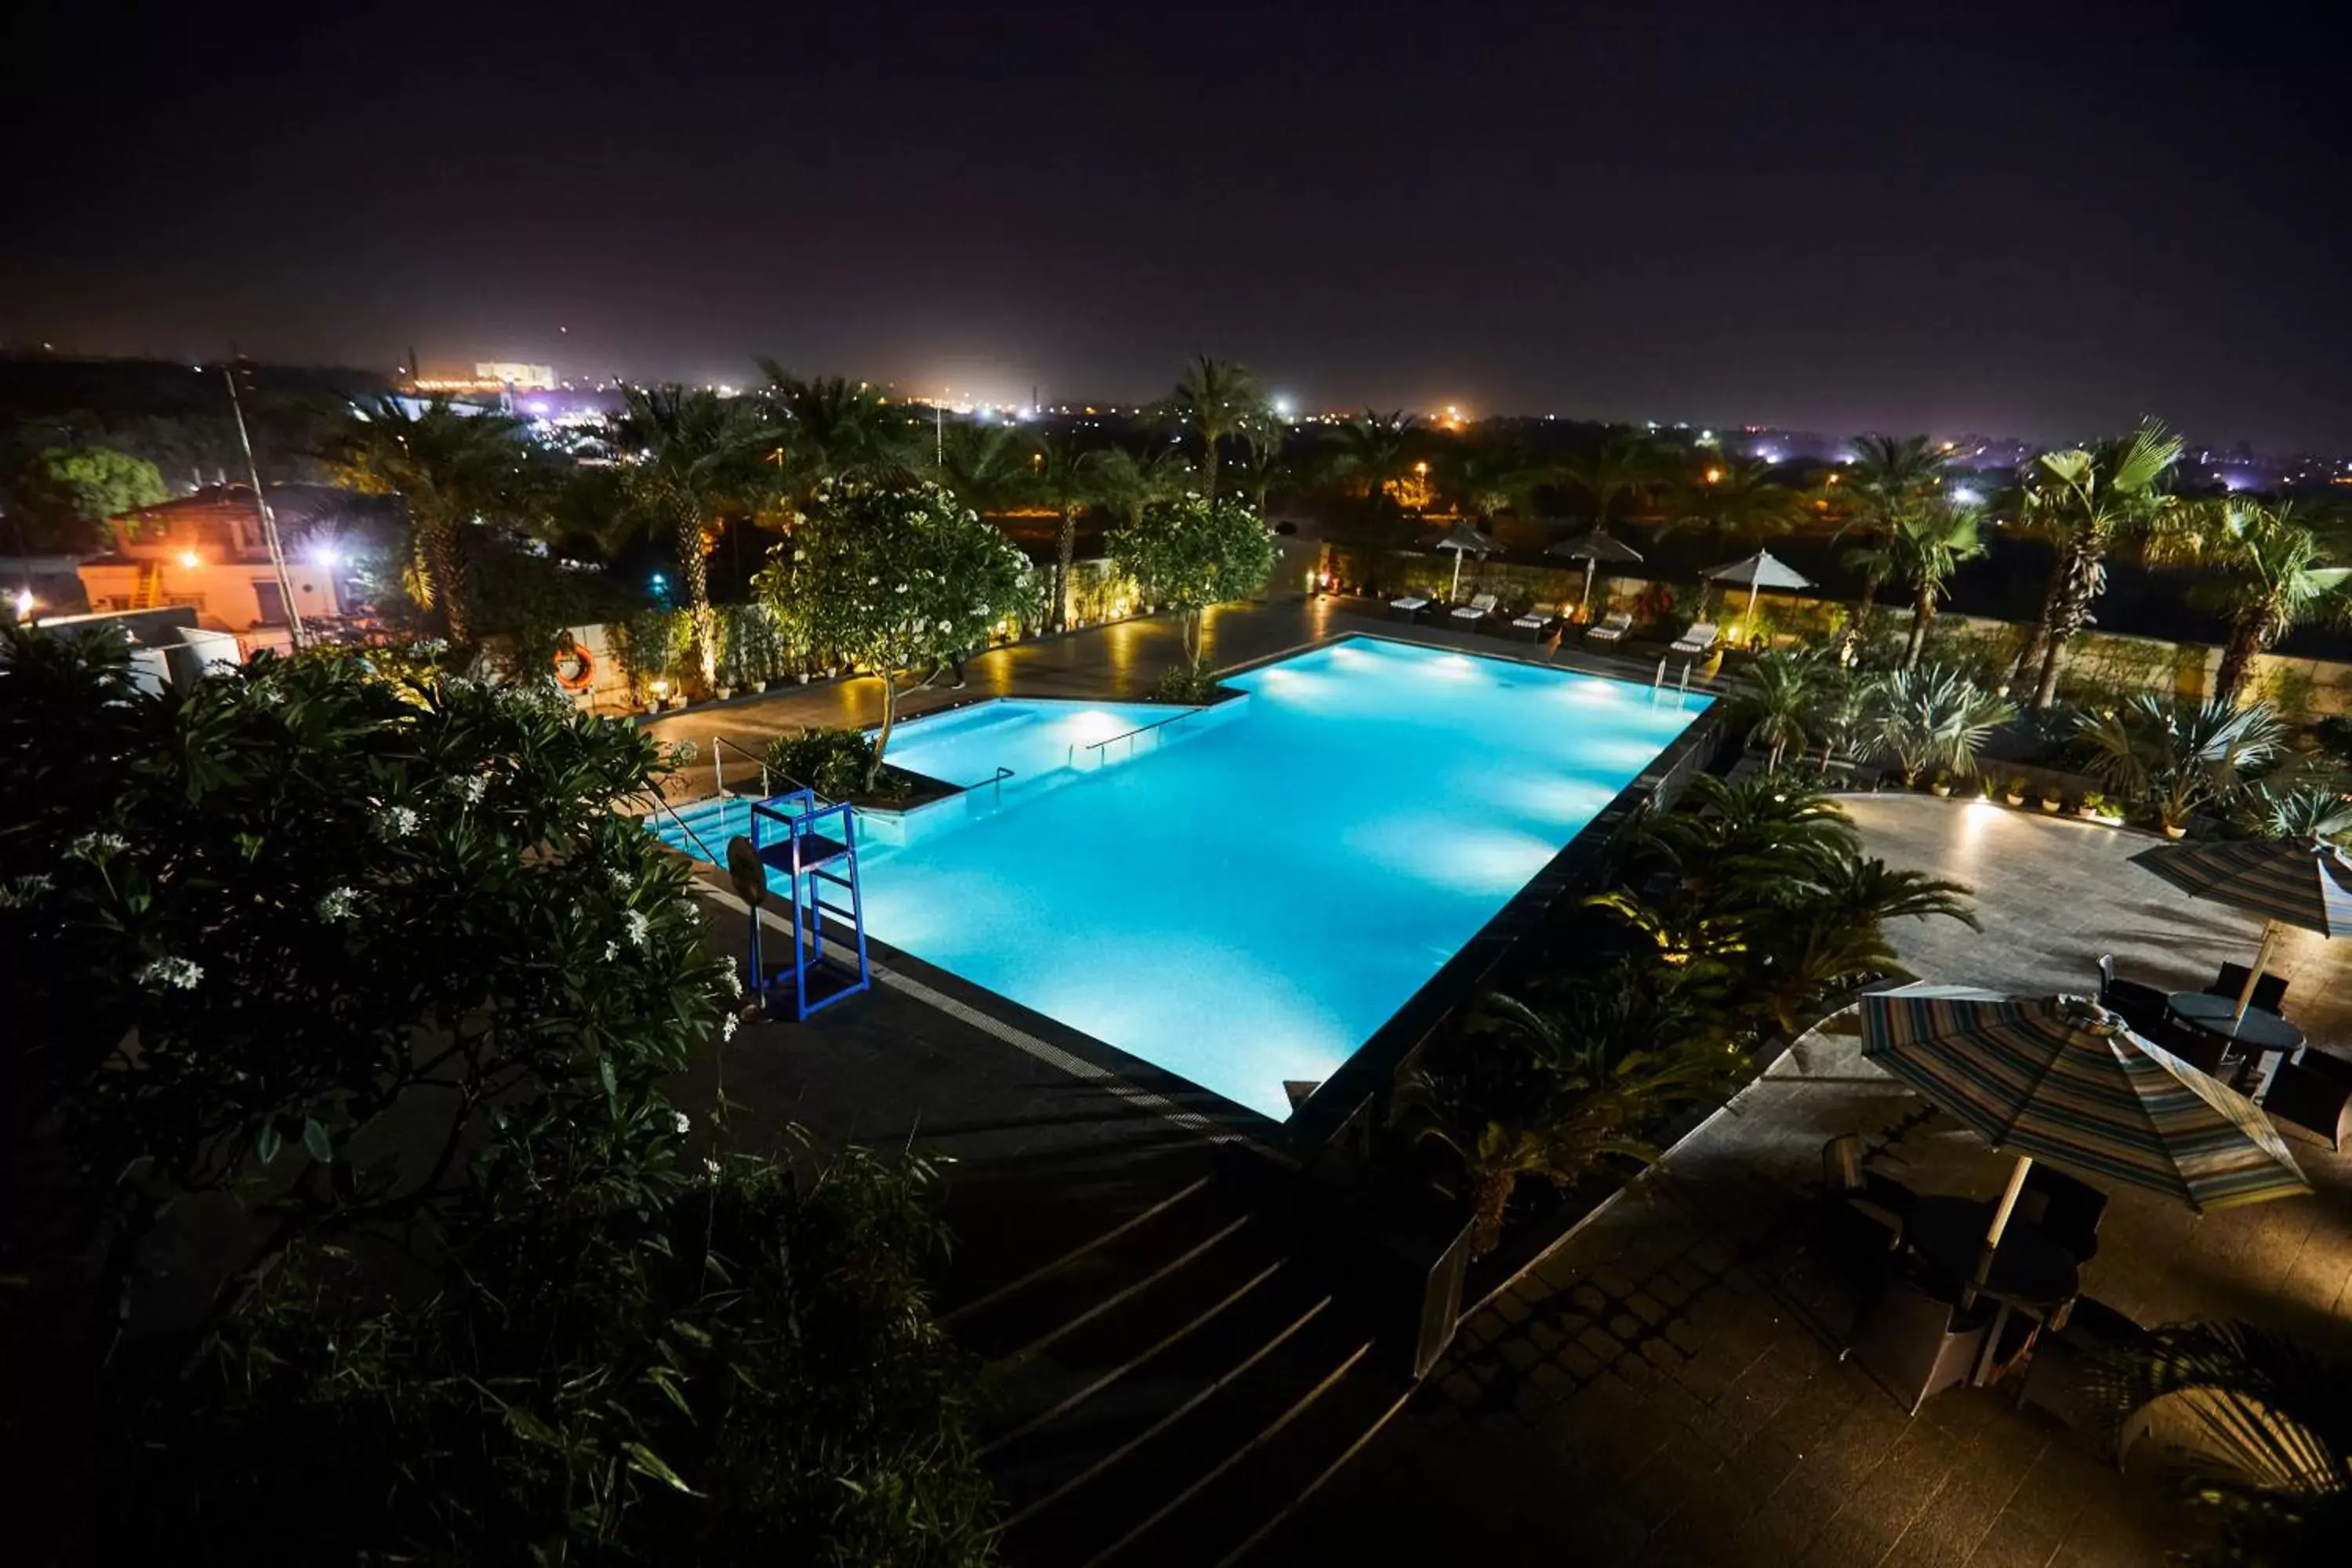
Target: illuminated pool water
(1247,903)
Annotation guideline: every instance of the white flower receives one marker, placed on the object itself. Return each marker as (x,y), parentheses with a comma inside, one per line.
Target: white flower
(171,974)
(396,822)
(621,879)
(733,982)
(22,891)
(340,904)
(611,951)
(899,589)
(639,928)
(874,582)
(947,626)
(710,1165)
(97,846)
(728,1025)
(469,789)
(685,1122)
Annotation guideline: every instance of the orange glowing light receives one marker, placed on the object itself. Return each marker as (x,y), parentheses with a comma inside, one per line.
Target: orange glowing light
(191,560)
(1715,475)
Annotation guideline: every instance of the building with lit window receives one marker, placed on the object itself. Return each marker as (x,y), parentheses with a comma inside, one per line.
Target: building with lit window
(206,552)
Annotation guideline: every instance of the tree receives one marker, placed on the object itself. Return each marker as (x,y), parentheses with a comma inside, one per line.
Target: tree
(68,494)
(451,469)
(1373,454)
(2265,573)
(1066,476)
(1631,468)
(1924,546)
(896,574)
(2085,501)
(374,967)
(1774,696)
(1215,398)
(835,428)
(1931,717)
(1742,497)
(688,459)
(1193,553)
(1482,483)
(1891,478)
(2172,758)
(990,468)
(1262,466)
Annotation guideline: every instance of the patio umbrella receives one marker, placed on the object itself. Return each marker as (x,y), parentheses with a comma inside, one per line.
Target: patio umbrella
(1461,539)
(1759,571)
(1593,549)
(2288,882)
(2060,1078)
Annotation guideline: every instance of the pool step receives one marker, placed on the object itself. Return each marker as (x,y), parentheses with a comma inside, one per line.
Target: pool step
(1165,1391)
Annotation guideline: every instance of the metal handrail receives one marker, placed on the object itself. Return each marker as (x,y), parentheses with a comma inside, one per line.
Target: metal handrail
(718,765)
(997,781)
(1127,735)
(664,806)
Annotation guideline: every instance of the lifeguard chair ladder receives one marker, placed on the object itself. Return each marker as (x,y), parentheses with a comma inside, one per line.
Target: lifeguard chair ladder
(815,848)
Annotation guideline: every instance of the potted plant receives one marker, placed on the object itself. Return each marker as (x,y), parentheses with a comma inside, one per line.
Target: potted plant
(2092,804)
(1943,784)
(658,695)
(2051,800)
(2015,794)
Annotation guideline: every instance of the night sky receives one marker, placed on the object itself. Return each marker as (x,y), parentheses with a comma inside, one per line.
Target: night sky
(2043,221)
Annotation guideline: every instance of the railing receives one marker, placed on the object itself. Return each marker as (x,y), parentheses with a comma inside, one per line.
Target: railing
(996,783)
(663,807)
(718,765)
(1127,735)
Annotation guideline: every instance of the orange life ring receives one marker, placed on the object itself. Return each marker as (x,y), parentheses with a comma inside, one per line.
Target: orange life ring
(575,668)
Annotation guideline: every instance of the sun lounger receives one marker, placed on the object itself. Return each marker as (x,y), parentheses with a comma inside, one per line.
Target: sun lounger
(1536,625)
(1697,640)
(1407,609)
(1473,614)
(1611,630)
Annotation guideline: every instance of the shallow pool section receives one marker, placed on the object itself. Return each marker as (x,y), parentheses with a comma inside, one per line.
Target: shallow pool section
(1032,739)
(1246,908)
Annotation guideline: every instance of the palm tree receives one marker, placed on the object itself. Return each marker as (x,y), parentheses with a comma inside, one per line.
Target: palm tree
(1932,716)
(1066,478)
(989,467)
(450,470)
(1371,453)
(2266,572)
(690,457)
(1124,483)
(833,429)
(2279,1413)
(1483,482)
(2173,758)
(1631,468)
(1262,466)
(1890,477)
(2309,814)
(2085,501)
(1924,546)
(1775,697)
(1215,398)
(1738,496)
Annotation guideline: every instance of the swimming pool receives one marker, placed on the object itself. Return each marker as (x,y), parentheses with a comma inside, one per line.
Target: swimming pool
(1244,909)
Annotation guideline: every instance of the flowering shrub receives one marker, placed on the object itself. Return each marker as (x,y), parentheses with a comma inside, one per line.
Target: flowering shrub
(1193,553)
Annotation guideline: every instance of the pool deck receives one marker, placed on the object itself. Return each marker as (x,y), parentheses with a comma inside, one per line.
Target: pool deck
(1665,1388)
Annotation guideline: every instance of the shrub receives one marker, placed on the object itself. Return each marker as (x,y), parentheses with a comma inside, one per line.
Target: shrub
(833,763)
(1190,684)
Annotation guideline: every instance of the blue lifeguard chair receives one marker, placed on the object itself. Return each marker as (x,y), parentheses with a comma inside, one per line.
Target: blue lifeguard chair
(811,847)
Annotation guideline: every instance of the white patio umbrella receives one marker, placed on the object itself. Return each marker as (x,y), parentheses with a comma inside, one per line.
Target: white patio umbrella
(1593,549)
(1759,571)
(1462,539)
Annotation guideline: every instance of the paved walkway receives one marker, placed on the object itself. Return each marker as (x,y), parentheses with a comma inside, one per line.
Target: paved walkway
(1665,1388)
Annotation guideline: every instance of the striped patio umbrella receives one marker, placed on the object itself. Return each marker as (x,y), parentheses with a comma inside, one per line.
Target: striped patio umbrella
(2288,882)
(2059,1078)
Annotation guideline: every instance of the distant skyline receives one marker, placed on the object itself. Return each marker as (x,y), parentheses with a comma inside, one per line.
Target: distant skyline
(2042,222)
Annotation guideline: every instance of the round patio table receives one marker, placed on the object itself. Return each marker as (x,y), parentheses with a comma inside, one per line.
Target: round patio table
(2032,1267)
(2259,1030)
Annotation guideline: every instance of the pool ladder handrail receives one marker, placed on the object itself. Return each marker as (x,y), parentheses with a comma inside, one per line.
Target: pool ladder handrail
(1127,735)
(718,765)
(663,807)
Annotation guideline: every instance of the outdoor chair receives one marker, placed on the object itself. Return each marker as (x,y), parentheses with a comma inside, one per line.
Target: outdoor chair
(2141,1005)
(1475,614)
(1537,624)
(2208,1054)
(2325,1064)
(1408,609)
(2065,1376)
(2269,991)
(1611,629)
(2066,1208)
(2311,1098)
(1697,639)
(1914,1345)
